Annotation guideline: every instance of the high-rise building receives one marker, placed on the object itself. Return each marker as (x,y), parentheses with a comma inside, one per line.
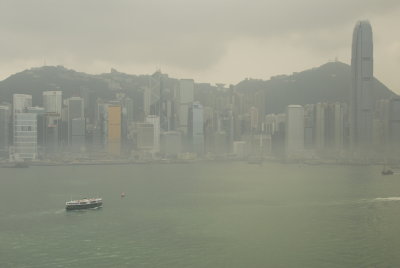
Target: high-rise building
(361,106)
(24,128)
(75,108)
(76,123)
(145,136)
(171,144)
(294,130)
(52,102)
(320,125)
(114,129)
(196,128)
(21,102)
(155,120)
(186,92)
(5,116)
(25,136)
(394,125)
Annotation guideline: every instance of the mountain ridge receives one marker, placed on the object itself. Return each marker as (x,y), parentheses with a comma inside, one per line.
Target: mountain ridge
(329,82)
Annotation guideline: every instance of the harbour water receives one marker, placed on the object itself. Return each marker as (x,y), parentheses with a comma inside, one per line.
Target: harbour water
(201,215)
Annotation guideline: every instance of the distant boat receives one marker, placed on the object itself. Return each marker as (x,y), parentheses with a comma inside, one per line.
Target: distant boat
(122,194)
(18,164)
(84,203)
(21,165)
(386,171)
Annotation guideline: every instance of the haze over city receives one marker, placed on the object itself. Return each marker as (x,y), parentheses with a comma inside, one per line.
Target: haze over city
(209,41)
(182,133)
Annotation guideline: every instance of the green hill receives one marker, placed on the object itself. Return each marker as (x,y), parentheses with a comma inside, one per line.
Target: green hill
(330,82)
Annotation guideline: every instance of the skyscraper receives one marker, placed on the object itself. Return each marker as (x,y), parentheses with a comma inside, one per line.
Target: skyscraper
(114,129)
(186,89)
(196,128)
(294,130)
(361,106)
(52,101)
(5,116)
(21,102)
(76,123)
(155,120)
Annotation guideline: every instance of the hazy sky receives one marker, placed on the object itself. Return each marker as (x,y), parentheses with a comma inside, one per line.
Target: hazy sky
(208,40)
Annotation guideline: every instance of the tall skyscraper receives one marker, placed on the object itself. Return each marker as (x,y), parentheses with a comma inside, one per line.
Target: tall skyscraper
(76,123)
(196,128)
(361,106)
(294,130)
(114,129)
(186,91)
(52,101)
(155,120)
(5,115)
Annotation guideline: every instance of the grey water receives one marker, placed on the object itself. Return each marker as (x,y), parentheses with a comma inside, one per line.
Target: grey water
(201,215)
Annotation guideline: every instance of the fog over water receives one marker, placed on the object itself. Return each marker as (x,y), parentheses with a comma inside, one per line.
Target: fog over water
(201,215)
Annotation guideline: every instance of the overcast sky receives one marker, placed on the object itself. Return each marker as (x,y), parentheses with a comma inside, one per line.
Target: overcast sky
(208,40)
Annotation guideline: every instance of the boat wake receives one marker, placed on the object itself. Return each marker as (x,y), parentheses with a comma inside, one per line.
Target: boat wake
(395,198)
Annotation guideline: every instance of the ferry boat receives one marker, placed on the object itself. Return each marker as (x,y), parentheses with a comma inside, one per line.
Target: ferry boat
(84,203)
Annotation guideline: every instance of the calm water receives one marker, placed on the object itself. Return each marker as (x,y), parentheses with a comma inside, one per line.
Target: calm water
(201,215)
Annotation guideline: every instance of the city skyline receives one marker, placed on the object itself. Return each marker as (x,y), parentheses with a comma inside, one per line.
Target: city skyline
(204,41)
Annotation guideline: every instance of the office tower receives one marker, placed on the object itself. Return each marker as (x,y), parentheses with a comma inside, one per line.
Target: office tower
(155,120)
(339,113)
(126,123)
(145,136)
(226,125)
(114,128)
(320,125)
(171,144)
(77,134)
(76,123)
(52,102)
(21,102)
(361,105)
(75,108)
(309,126)
(146,101)
(294,130)
(254,119)
(24,129)
(5,116)
(196,128)
(394,125)
(186,91)
(25,136)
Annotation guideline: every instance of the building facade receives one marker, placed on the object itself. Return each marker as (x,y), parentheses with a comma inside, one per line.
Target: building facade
(361,105)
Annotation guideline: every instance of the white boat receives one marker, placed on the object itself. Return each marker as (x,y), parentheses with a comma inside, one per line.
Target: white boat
(84,203)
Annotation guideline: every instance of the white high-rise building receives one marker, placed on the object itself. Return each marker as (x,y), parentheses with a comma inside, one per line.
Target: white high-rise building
(21,102)
(52,101)
(361,105)
(155,120)
(294,130)
(25,136)
(24,128)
